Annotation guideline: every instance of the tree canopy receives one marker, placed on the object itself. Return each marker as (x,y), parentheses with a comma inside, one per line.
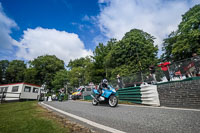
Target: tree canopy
(185,41)
(134,53)
(15,71)
(60,79)
(45,68)
(3,69)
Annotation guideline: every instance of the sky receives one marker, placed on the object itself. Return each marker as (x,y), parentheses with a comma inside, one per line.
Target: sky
(71,29)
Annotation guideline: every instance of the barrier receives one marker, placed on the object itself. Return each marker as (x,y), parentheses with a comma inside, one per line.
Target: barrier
(88,97)
(144,94)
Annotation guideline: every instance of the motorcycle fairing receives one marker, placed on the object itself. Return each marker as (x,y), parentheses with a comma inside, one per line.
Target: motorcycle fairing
(106,93)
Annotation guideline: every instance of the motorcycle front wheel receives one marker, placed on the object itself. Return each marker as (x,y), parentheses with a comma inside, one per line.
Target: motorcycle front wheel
(113,101)
(94,102)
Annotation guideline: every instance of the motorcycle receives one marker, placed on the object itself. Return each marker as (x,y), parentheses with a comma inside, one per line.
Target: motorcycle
(107,95)
(61,97)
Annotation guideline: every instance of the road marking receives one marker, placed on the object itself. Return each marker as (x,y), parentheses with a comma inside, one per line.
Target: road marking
(142,106)
(94,124)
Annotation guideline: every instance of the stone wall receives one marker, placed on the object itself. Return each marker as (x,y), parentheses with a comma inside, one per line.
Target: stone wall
(184,94)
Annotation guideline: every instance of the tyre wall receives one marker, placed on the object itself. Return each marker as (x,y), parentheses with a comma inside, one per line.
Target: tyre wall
(146,94)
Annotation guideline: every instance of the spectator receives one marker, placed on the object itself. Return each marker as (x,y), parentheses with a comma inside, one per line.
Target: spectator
(119,81)
(165,68)
(152,73)
(61,95)
(196,60)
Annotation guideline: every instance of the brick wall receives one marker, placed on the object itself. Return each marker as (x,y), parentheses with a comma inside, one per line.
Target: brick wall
(185,94)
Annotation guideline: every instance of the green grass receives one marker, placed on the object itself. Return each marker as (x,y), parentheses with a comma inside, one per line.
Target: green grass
(126,102)
(27,117)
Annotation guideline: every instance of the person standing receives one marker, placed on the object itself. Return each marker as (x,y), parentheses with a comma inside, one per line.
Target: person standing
(152,73)
(165,68)
(119,81)
(196,60)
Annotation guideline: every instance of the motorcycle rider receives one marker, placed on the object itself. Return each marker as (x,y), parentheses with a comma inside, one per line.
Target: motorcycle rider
(103,84)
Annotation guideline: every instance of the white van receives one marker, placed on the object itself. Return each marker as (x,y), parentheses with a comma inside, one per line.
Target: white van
(20,91)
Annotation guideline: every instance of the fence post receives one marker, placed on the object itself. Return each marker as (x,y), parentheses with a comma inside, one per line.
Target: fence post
(19,96)
(2,97)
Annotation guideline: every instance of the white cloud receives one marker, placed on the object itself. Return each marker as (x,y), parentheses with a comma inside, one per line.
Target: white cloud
(40,41)
(157,17)
(6,42)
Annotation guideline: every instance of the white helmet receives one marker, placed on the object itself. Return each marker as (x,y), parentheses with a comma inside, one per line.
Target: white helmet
(105,81)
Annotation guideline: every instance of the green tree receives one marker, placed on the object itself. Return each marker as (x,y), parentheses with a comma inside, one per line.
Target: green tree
(168,46)
(60,79)
(3,68)
(134,53)
(77,62)
(15,71)
(31,76)
(46,67)
(76,76)
(81,71)
(103,60)
(186,40)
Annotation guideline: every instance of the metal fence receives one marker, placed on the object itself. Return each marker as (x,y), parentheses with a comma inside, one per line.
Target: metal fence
(178,70)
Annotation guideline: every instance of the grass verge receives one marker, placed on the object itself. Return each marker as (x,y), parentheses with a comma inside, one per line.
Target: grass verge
(27,117)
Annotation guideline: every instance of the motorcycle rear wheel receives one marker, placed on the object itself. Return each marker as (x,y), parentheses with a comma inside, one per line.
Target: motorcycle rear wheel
(113,101)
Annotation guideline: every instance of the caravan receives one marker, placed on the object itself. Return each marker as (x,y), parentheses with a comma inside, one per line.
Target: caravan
(21,91)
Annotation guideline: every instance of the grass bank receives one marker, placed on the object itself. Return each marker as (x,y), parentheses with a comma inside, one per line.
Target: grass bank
(27,117)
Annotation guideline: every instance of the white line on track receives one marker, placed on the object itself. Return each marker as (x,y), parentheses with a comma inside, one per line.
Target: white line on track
(94,124)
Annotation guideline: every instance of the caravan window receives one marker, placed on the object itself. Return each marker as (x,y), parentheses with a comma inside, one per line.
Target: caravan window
(27,89)
(15,88)
(35,90)
(3,89)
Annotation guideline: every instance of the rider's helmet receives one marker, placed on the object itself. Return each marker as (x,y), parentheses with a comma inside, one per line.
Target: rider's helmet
(105,81)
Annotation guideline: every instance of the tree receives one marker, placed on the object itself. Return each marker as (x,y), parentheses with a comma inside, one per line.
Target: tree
(77,62)
(134,53)
(3,68)
(76,76)
(31,76)
(186,40)
(15,71)
(46,67)
(82,71)
(103,60)
(60,79)
(168,46)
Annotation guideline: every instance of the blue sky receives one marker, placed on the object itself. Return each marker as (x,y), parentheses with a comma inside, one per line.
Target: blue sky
(61,15)
(71,29)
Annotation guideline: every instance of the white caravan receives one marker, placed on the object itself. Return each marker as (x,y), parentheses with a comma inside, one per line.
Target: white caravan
(21,91)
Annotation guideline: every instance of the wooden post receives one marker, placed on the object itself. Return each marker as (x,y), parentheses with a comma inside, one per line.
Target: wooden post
(2,97)
(19,96)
